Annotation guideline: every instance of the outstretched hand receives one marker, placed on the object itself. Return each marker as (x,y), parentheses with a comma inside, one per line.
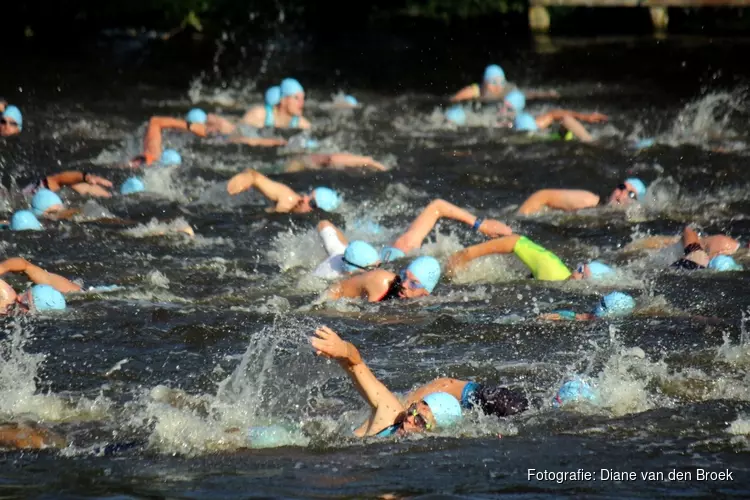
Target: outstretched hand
(96,180)
(494,228)
(327,343)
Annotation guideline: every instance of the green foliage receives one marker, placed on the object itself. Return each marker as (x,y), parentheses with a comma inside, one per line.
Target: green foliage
(447,9)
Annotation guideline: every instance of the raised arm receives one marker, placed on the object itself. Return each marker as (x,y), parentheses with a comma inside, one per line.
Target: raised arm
(152,139)
(38,275)
(284,197)
(548,118)
(460,259)
(423,224)
(467,93)
(345,160)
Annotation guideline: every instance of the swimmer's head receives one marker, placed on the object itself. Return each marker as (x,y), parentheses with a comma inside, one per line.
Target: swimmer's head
(170,157)
(632,190)
(132,185)
(446,410)
(196,115)
(494,74)
(594,270)
(524,122)
(43,298)
(360,256)
(272,96)
(25,220)
(420,277)
(515,101)
(11,122)
(614,304)
(388,254)
(325,199)
(46,201)
(574,390)
(724,263)
(292,96)
(456,115)
(351,100)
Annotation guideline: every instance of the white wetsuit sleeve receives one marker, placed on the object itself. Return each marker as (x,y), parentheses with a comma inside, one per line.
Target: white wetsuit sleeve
(331,268)
(331,241)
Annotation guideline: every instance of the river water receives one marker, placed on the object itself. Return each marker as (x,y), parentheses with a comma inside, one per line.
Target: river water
(225,316)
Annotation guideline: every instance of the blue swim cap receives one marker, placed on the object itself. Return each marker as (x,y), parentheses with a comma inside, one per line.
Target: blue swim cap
(132,185)
(614,304)
(46,298)
(196,115)
(638,185)
(524,122)
(456,114)
(574,390)
(326,198)
(494,72)
(427,270)
(724,263)
(290,86)
(14,114)
(388,254)
(273,95)
(42,200)
(24,220)
(170,157)
(445,408)
(516,100)
(350,99)
(599,270)
(359,255)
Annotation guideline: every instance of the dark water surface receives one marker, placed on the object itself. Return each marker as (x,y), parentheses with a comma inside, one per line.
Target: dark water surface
(225,316)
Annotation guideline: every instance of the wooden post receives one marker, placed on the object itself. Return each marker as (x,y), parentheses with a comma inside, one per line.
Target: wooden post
(539,19)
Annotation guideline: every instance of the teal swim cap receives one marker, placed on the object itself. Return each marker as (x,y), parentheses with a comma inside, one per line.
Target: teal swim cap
(132,185)
(290,86)
(196,115)
(494,72)
(14,114)
(599,270)
(516,100)
(326,199)
(273,95)
(350,99)
(43,200)
(456,114)
(445,408)
(359,255)
(574,390)
(638,185)
(614,304)
(724,263)
(170,157)
(24,220)
(427,270)
(524,122)
(388,254)
(46,298)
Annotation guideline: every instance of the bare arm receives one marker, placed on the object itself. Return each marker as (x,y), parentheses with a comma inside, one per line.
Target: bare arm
(219,124)
(547,119)
(356,161)
(255,117)
(372,284)
(560,199)
(452,386)
(467,93)
(259,141)
(38,275)
(152,139)
(502,245)
(284,197)
(70,177)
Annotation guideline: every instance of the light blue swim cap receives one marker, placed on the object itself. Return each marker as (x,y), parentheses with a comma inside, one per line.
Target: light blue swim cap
(273,95)
(132,185)
(290,86)
(524,122)
(326,198)
(638,185)
(196,115)
(25,220)
(574,390)
(268,436)
(388,254)
(724,263)
(614,304)
(599,270)
(46,298)
(359,255)
(350,99)
(445,408)
(494,72)
(427,270)
(42,200)
(516,100)
(170,157)
(456,114)
(14,114)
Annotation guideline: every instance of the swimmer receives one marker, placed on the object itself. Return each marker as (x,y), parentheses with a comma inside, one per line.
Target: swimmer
(455,115)
(83,183)
(699,257)
(11,122)
(45,295)
(335,161)
(716,244)
(23,220)
(494,87)
(29,437)
(344,257)
(561,123)
(49,205)
(436,405)
(632,190)
(286,199)
(543,264)
(284,113)
(612,305)
(345,101)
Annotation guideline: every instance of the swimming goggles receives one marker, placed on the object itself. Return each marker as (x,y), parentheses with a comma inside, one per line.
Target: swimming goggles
(413,284)
(631,194)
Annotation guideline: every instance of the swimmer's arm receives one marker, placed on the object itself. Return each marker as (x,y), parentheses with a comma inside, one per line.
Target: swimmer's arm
(3,104)
(259,141)
(66,214)
(22,437)
(38,275)
(372,285)
(152,139)
(70,177)
(567,316)
(502,245)
(541,94)
(274,191)
(467,93)
(560,199)
(352,160)
(219,124)
(333,247)
(452,386)
(255,117)
(577,129)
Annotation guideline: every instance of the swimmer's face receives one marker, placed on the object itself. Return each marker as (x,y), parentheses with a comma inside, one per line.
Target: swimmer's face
(416,418)
(8,296)
(294,104)
(25,301)
(582,272)
(411,288)
(492,88)
(624,194)
(8,127)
